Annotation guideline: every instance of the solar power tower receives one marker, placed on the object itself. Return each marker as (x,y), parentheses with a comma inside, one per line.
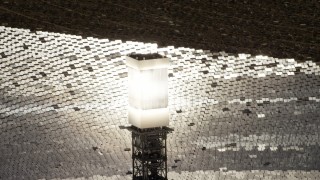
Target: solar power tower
(148,114)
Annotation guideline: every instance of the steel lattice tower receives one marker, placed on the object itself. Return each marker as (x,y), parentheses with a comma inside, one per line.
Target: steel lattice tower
(149,153)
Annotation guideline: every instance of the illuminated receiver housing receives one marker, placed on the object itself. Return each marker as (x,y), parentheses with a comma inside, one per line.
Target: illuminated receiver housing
(148,90)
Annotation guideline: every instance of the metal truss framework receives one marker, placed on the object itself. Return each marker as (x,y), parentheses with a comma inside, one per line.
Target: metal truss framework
(149,153)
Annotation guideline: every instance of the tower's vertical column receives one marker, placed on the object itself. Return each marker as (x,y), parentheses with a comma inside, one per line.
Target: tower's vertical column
(148,114)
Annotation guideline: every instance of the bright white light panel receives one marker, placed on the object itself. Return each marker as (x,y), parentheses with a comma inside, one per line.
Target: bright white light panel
(148,89)
(148,92)
(63,98)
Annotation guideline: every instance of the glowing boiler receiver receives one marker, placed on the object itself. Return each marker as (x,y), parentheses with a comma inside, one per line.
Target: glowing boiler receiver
(148,90)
